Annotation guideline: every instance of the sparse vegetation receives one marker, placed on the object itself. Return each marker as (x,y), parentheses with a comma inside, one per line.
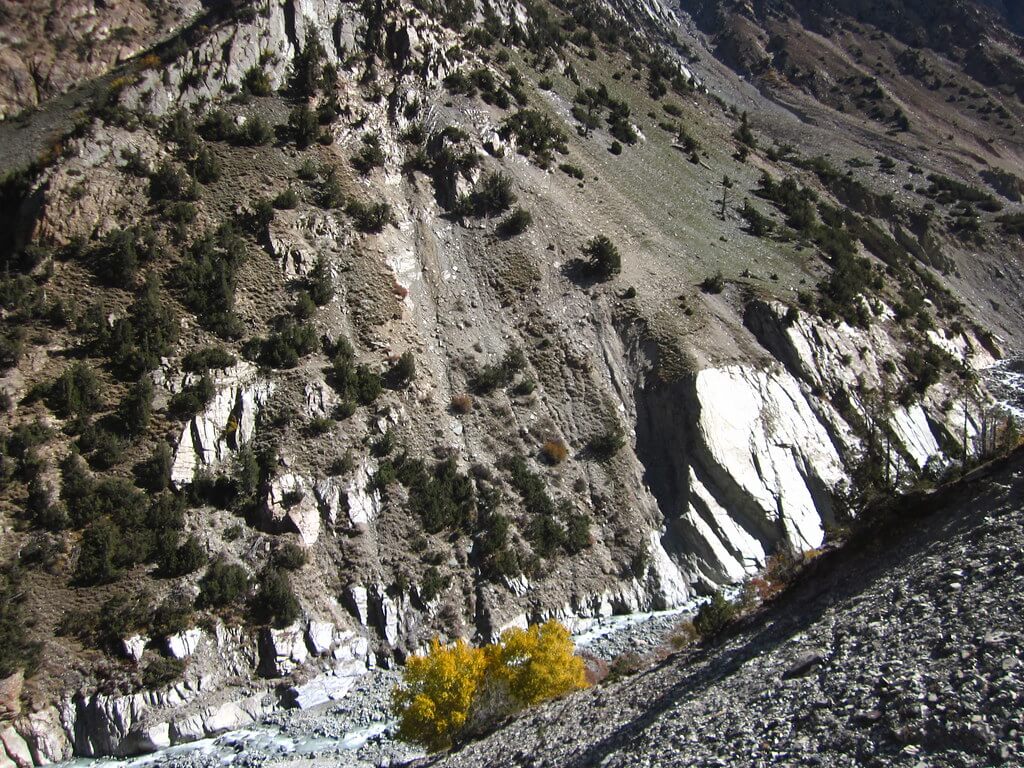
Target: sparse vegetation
(517,222)
(603,256)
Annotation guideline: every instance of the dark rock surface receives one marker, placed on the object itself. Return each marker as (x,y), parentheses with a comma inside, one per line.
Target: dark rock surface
(904,650)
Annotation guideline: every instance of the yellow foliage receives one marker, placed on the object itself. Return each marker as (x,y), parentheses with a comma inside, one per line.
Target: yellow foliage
(436,693)
(453,684)
(536,663)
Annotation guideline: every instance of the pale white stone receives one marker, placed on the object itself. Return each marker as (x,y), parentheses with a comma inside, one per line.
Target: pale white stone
(359,598)
(184,644)
(320,636)
(44,733)
(134,646)
(912,430)
(761,434)
(669,585)
(302,516)
(285,649)
(227,423)
(16,747)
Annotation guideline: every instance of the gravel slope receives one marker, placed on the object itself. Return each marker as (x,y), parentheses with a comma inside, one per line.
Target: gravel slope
(903,651)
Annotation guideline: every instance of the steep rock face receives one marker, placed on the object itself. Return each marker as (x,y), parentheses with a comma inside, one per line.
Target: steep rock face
(226,423)
(740,465)
(745,460)
(865,369)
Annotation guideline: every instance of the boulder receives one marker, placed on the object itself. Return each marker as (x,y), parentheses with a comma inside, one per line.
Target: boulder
(320,637)
(184,644)
(282,650)
(134,646)
(292,504)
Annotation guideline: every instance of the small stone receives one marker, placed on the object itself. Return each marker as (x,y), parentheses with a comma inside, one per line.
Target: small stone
(805,662)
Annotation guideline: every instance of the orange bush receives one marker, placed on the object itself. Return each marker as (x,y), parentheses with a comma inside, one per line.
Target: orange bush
(555,451)
(462,403)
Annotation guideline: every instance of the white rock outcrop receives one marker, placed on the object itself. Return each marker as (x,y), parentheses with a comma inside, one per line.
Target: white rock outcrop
(227,423)
(282,650)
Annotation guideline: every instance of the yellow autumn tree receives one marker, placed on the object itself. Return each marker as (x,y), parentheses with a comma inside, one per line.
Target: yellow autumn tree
(436,693)
(536,664)
(460,690)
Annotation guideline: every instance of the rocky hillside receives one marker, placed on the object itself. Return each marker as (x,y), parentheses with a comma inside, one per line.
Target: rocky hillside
(332,327)
(897,654)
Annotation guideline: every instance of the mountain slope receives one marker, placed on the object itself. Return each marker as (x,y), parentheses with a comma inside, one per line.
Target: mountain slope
(312,348)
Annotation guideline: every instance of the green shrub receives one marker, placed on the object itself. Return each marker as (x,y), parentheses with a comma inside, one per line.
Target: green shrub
(758,224)
(442,498)
(16,650)
(169,183)
(370,155)
(154,473)
(208,276)
(290,556)
(180,129)
(100,553)
(217,126)
(604,258)
(608,443)
(369,217)
(261,217)
(255,132)
(136,409)
(577,533)
(492,195)
(205,358)
(403,371)
(515,223)
(319,282)
(306,74)
(224,585)
(116,260)
(304,306)
(714,615)
(303,126)
(713,284)
(743,134)
(206,167)
(489,377)
(172,616)
(307,170)
(274,602)
(432,584)
(536,135)
(136,343)
(76,392)
(256,82)
(187,558)
(161,672)
(288,343)
(571,170)
(286,200)
(331,194)
(192,399)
